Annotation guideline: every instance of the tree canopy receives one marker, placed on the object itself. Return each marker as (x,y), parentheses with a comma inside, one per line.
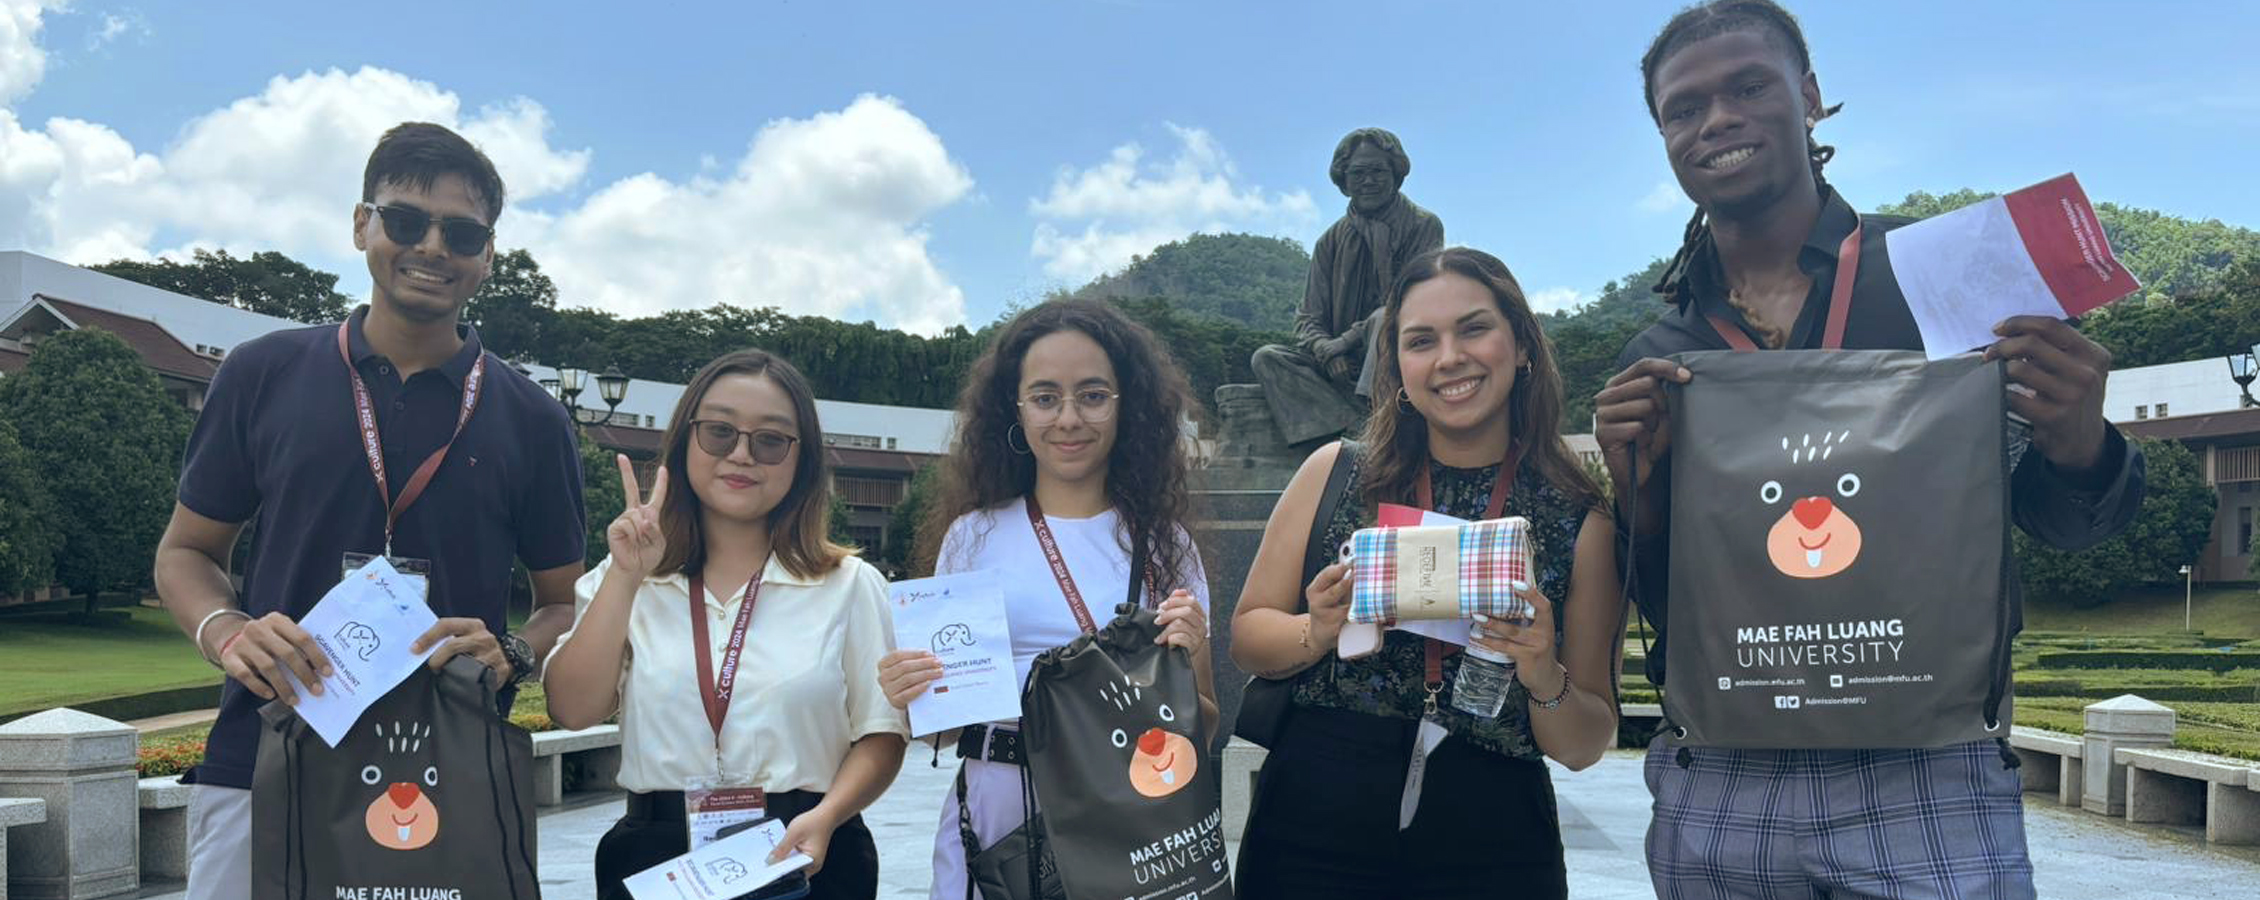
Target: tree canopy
(266,282)
(104,440)
(1256,282)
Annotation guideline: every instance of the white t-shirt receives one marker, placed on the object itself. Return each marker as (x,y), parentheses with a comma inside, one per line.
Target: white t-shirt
(807,683)
(1002,540)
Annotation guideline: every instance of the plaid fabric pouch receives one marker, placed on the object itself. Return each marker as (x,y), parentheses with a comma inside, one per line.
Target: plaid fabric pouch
(1439,571)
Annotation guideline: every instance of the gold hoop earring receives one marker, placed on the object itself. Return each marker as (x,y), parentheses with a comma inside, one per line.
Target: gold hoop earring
(1021,448)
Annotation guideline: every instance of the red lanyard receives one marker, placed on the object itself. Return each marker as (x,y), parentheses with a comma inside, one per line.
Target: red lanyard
(1839,302)
(1059,568)
(1502,484)
(714,688)
(365,414)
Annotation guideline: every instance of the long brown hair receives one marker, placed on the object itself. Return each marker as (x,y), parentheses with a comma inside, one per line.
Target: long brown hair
(800,524)
(1147,469)
(1396,438)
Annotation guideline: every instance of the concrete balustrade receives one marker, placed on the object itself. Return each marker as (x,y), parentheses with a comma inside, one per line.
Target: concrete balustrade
(82,767)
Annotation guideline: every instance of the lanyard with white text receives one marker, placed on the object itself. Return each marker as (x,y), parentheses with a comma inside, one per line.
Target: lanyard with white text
(715,686)
(1502,484)
(1839,302)
(365,414)
(1059,568)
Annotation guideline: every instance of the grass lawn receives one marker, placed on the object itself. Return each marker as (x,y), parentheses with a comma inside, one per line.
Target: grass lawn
(2226,612)
(58,659)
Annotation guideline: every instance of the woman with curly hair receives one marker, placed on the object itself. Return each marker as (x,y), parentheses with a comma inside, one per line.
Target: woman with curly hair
(1069,446)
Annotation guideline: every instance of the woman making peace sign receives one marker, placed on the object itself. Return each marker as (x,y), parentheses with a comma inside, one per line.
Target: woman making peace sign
(738,644)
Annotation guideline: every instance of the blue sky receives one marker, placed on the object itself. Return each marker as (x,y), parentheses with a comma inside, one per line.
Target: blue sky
(923,164)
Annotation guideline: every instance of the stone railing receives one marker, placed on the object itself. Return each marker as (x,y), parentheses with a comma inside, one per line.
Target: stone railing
(83,825)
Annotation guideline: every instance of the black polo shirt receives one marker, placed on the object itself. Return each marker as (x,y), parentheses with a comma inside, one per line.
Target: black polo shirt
(2043,501)
(277,445)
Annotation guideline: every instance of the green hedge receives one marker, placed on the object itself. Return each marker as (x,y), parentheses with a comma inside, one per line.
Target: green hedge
(2207,660)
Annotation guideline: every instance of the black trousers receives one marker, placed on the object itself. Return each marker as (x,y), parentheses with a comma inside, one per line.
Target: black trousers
(1323,822)
(652,833)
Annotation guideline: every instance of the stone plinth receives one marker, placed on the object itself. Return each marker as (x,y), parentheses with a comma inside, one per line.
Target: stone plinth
(1230,531)
(2122,722)
(1250,452)
(83,767)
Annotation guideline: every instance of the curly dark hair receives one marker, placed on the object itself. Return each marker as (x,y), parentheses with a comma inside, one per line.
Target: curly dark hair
(1147,469)
(1396,438)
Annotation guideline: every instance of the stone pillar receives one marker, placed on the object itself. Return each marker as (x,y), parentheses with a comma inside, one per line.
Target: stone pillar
(82,765)
(2125,721)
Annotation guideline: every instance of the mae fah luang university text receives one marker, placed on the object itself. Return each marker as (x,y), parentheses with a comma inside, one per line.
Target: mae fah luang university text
(875,449)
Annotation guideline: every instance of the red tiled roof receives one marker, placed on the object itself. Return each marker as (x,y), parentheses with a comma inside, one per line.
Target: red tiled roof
(642,443)
(2232,424)
(877,460)
(158,348)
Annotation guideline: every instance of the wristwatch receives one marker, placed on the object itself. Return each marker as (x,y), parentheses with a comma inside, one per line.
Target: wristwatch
(521,657)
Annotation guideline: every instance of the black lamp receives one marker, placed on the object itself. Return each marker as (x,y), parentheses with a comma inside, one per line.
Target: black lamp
(2243,368)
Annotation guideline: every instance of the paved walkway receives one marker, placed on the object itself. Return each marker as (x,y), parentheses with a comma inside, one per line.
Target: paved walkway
(1604,811)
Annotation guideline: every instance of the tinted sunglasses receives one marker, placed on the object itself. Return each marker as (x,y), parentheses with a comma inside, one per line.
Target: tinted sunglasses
(719,439)
(407,225)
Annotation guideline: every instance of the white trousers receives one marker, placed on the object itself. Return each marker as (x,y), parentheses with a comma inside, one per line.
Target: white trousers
(219,843)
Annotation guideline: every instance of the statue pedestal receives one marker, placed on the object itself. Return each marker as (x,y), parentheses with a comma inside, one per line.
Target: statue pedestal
(1250,453)
(1234,496)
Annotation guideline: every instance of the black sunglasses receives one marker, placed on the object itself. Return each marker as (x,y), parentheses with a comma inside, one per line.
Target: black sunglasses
(719,439)
(407,225)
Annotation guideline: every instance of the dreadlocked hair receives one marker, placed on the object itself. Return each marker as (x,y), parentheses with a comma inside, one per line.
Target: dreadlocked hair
(1702,22)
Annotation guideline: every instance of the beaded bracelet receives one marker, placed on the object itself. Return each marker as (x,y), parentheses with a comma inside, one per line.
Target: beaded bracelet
(1558,697)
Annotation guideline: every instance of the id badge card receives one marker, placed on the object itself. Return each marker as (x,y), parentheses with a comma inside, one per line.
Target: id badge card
(1431,734)
(713,810)
(419,571)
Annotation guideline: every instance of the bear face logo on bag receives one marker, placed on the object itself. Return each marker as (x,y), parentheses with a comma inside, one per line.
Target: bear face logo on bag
(402,816)
(1162,762)
(1814,538)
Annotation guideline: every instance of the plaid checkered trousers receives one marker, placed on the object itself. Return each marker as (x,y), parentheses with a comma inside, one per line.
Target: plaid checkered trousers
(1493,555)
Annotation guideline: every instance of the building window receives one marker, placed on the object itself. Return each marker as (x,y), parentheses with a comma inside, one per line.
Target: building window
(880,492)
(862,441)
(2161,410)
(2244,531)
(890,443)
(2142,412)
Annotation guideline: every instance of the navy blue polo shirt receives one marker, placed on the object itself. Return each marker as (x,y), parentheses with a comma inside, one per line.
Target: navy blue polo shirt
(277,445)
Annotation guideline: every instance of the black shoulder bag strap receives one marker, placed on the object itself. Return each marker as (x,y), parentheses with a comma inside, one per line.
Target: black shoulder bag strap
(1316,553)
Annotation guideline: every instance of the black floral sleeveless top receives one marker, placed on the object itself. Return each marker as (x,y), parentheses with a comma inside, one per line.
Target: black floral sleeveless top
(1389,682)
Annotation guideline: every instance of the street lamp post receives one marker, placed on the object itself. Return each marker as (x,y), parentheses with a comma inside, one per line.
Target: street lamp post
(612,387)
(2243,368)
(2186,581)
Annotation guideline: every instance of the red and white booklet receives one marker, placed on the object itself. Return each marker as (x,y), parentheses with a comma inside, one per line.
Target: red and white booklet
(2032,252)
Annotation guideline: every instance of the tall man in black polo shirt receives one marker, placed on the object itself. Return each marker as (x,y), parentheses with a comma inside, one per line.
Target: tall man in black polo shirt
(280,440)
(1731,87)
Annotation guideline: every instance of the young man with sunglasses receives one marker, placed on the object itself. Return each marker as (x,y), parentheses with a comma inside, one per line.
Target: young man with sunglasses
(468,468)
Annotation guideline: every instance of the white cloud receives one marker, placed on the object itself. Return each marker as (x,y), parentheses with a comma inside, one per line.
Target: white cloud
(819,216)
(1093,220)
(22,60)
(1556,299)
(115,26)
(1665,197)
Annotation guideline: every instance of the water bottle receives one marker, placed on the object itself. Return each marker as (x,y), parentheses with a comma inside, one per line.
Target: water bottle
(1484,680)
